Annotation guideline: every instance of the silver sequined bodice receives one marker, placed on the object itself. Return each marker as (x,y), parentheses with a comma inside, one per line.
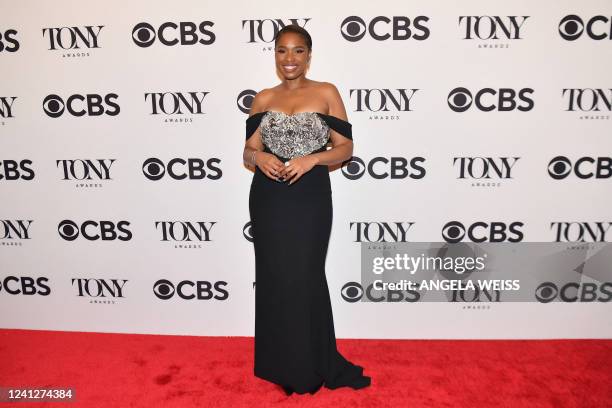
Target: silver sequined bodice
(289,136)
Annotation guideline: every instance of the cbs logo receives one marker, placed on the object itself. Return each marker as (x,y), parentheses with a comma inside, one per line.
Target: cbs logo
(95,230)
(489,99)
(571,292)
(180,169)
(572,27)
(81,105)
(245,100)
(353,292)
(169,33)
(247,231)
(382,28)
(383,167)
(561,167)
(201,290)
(25,285)
(455,231)
(15,170)
(8,42)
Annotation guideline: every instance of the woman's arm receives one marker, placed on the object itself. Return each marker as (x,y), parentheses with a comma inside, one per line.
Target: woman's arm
(253,153)
(254,143)
(342,149)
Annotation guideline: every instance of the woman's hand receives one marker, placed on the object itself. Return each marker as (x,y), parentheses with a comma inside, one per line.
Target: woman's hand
(269,164)
(297,167)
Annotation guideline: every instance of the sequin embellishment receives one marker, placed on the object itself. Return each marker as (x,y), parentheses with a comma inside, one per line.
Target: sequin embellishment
(290,136)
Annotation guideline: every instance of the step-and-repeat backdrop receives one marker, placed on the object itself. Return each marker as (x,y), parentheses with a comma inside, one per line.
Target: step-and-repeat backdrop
(124,199)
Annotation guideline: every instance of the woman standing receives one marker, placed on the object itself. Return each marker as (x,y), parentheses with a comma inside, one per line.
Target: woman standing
(290,205)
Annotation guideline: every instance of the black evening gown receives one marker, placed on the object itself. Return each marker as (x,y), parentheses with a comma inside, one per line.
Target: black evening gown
(295,343)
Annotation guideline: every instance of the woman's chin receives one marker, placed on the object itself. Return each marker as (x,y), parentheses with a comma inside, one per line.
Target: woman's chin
(291,75)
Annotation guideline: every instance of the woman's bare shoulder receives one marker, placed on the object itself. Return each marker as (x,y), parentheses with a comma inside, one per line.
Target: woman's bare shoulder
(261,100)
(327,87)
(330,93)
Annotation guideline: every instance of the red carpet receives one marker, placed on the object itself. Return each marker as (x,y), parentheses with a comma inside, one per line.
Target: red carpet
(119,370)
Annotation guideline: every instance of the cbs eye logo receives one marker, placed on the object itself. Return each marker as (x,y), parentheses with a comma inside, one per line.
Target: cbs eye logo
(353,28)
(546,292)
(53,106)
(247,231)
(559,167)
(352,292)
(143,34)
(153,169)
(572,26)
(68,230)
(453,232)
(245,100)
(354,168)
(163,289)
(460,99)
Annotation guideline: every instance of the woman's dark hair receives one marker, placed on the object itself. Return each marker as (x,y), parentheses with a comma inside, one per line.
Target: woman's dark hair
(293,28)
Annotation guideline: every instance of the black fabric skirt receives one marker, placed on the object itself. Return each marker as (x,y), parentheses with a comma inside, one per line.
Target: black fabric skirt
(295,343)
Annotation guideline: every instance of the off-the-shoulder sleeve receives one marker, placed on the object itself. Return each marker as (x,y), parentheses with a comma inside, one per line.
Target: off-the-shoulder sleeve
(341,126)
(252,123)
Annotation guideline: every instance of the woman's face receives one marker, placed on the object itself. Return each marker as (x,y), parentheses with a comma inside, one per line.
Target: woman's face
(292,55)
